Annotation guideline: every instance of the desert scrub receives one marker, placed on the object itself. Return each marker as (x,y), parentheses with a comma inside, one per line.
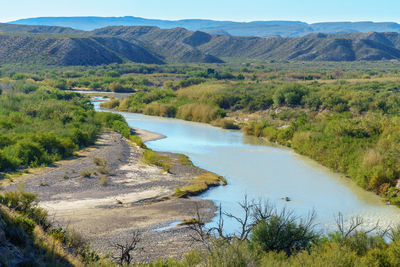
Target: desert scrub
(200,184)
(103,170)
(153,158)
(99,161)
(85,173)
(103,180)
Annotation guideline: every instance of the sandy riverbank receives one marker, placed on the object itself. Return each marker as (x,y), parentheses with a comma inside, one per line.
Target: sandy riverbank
(134,197)
(147,135)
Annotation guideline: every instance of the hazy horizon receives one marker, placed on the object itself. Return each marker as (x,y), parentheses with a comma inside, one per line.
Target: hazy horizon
(310,11)
(179,19)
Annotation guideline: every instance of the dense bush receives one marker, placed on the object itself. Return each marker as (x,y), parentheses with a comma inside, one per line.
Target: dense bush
(282,233)
(28,205)
(42,125)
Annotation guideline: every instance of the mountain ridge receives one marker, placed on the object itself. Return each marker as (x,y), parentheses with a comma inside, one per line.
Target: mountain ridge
(317,47)
(252,28)
(147,44)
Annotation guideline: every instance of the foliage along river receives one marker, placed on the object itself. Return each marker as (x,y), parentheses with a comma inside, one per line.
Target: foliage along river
(254,167)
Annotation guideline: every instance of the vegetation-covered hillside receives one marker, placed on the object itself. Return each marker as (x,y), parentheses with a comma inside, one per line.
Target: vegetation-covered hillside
(40,125)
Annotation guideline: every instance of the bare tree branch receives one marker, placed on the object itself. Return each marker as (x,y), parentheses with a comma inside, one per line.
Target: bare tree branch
(246,222)
(124,250)
(198,230)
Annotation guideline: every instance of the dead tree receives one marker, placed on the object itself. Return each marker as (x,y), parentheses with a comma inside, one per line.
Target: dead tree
(354,224)
(219,228)
(124,250)
(246,221)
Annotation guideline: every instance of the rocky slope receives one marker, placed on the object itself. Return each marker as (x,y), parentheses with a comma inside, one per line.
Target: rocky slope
(177,43)
(117,44)
(64,50)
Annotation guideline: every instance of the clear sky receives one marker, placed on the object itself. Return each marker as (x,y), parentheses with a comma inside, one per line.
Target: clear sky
(237,10)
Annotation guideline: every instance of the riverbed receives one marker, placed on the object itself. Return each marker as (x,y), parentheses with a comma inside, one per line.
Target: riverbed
(260,170)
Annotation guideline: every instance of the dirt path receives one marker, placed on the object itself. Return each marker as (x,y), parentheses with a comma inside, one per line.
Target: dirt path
(121,195)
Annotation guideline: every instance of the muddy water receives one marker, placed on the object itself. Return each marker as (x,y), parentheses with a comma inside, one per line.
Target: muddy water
(256,168)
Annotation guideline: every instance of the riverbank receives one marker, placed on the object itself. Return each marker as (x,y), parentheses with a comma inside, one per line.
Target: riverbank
(147,136)
(106,192)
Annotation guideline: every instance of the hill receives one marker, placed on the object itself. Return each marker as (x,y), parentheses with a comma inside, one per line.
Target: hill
(13,28)
(67,50)
(178,43)
(313,47)
(254,28)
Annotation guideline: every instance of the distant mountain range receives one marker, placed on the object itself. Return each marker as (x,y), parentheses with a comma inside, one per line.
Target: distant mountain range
(55,45)
(254,28)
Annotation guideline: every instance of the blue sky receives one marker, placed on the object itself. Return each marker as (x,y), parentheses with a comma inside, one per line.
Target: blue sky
(238,10)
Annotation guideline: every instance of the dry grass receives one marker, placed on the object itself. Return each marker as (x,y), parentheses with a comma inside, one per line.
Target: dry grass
(202,91)
(371,158)
(103,170)
(85,173)
(191,221)
(157,109)
(99,161)
(198,112)
(48,243)
(103,180)
(54,247)
(110,104)
(44,184)
(200,184)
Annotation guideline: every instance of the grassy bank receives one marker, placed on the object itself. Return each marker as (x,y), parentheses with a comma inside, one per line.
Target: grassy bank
(200,184)
(197,185)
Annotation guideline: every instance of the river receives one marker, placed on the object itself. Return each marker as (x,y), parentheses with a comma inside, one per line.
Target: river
(260,170)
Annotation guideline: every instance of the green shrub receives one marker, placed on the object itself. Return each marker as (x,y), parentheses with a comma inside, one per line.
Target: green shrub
(282,233)
(26,204)
(151,157)
(137,140)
